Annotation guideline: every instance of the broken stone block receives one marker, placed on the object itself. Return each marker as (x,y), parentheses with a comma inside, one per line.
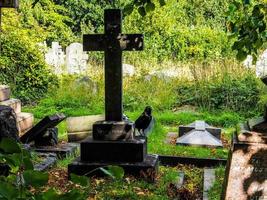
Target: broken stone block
(83,123)
(24,122)
(4,92)
(13,103)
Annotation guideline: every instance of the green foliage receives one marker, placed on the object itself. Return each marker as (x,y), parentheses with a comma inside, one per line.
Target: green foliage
(247,23)
(226,92)
(22,177)
(181,30)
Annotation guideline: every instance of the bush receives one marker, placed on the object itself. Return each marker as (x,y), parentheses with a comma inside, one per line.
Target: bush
(22,67)
(231,91)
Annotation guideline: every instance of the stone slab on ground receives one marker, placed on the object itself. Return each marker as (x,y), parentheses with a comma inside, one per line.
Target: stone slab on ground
(13,103)
(78,136)
(246,172)
(83,123)
(61,150)
(146,169)
(49,159)
(39,130)
(4,92)
(209,180)
(24,122)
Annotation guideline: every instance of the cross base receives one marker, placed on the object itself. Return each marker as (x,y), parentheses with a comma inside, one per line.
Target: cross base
(146,169)
(113,130)
(113,151)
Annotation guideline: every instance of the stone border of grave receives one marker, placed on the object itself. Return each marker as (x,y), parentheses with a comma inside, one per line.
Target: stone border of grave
(166,160)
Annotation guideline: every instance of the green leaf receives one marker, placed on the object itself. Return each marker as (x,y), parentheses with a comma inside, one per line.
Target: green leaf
(150,7)
(8,190)
(50,194)
(128,9)
(35,178)
(10,146)
(28,164)
(115,172)
(142,11)
(81,180)
(162,2)
(73,194)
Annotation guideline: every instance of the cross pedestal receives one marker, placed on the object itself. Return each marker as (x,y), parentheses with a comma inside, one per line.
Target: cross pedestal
(112,142)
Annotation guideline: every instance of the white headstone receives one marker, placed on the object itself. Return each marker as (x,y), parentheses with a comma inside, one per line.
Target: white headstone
(76,59)
(55,57)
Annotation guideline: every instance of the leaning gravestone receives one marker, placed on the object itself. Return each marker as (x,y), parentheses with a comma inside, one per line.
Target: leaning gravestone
(112,142)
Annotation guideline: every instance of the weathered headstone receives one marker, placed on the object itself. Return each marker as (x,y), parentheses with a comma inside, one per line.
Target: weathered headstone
(112,142)
(76,59)
(199,133)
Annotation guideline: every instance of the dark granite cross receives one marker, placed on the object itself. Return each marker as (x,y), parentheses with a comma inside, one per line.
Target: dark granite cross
(9,3)
(113,42)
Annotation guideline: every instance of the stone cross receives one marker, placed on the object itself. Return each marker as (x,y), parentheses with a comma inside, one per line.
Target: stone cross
(113,42)
(9,3)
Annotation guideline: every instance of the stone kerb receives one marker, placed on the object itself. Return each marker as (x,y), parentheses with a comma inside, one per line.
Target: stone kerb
(79,128)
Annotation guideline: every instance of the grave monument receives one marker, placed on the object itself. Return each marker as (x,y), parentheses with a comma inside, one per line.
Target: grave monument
(199,133)
(112,141)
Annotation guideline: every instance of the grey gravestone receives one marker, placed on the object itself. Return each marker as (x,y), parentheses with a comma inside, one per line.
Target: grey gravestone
(199,133)
(111,144)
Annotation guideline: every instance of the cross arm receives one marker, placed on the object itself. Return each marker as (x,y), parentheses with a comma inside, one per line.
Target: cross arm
(132,42)
(96,42)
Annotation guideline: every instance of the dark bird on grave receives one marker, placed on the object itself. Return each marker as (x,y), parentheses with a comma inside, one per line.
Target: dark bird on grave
(143,121)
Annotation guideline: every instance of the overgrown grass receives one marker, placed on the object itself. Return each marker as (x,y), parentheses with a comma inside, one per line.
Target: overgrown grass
(131,188)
